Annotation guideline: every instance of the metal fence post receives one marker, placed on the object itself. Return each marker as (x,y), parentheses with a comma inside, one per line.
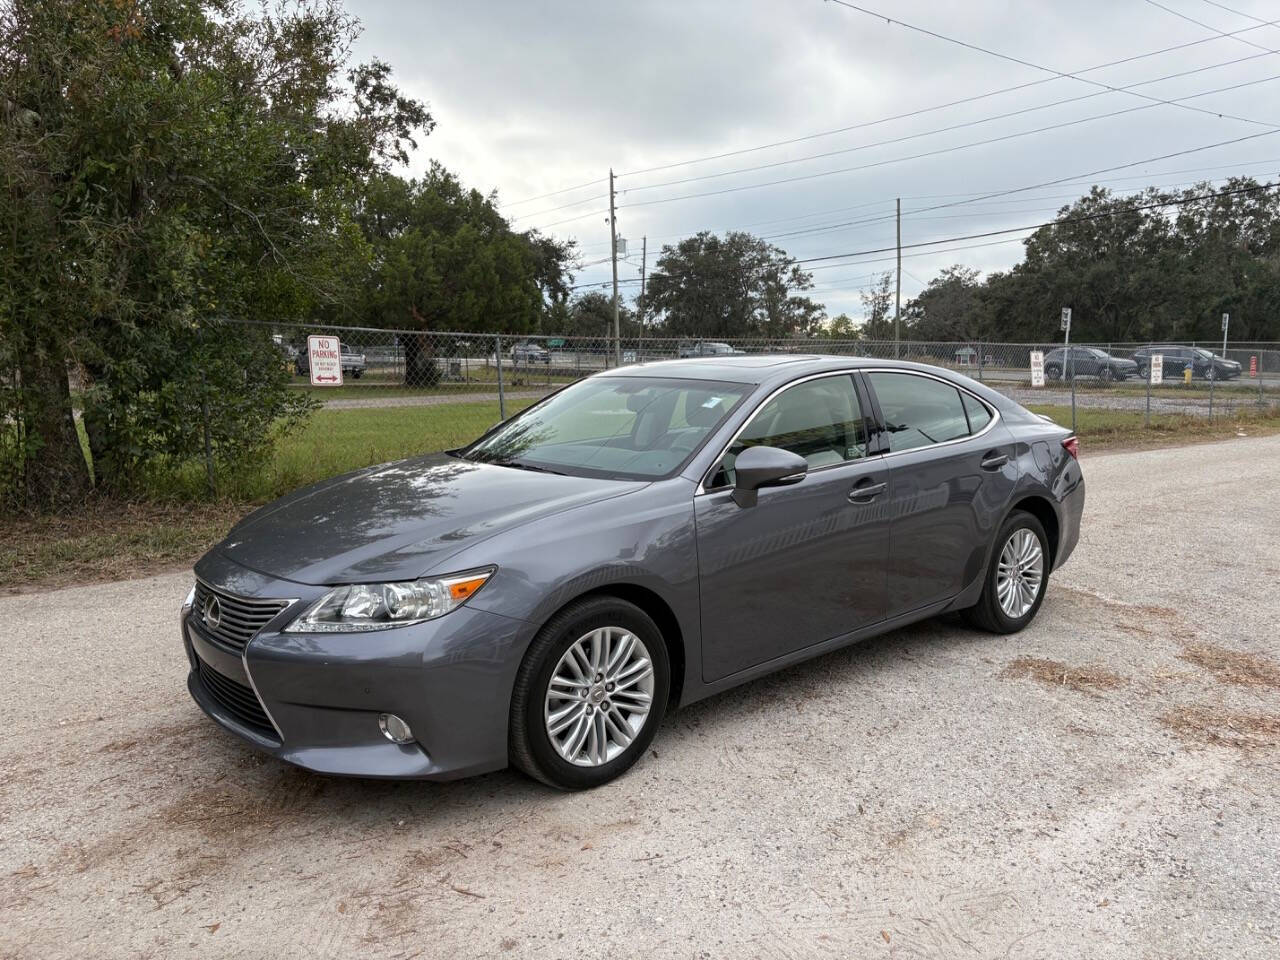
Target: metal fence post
(1150,370)
(497,355)
(979,359)
(1212,375)
(1071,374)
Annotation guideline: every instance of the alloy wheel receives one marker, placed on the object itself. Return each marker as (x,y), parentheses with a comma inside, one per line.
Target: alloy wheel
(599,696)
(1019,573)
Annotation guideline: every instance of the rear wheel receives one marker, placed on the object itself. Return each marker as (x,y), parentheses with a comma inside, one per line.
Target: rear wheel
(1053,372)
(1016,578)
(590,694)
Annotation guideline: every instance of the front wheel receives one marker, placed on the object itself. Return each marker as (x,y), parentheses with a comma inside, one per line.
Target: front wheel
(1016,577)
(1053,373)
(1106,375)
(590,694)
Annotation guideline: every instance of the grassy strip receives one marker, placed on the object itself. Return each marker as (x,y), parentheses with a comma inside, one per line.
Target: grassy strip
(1126,429)
(109,540)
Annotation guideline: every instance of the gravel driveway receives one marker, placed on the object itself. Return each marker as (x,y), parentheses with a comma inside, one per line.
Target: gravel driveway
(1105,784)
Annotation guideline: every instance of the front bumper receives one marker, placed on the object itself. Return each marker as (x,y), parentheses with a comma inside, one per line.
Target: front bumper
(321,694)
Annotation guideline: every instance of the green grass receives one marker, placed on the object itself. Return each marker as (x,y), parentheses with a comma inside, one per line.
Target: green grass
(338,441)
(1110,429)
(110,540)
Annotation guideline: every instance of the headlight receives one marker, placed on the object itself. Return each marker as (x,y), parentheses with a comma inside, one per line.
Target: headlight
(377,606)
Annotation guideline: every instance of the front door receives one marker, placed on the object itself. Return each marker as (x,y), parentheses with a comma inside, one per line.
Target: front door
(806,563)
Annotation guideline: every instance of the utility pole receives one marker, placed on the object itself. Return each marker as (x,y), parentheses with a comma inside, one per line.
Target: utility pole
(644,262)
(613,237)
(897,296)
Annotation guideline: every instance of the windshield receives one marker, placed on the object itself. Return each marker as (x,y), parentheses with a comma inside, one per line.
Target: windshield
(1204,354)
(624,428)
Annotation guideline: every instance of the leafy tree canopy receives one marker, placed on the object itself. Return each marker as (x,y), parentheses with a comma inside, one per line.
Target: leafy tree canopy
(732,286)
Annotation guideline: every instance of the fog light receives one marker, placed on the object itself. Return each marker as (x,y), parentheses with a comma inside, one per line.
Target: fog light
(394,729)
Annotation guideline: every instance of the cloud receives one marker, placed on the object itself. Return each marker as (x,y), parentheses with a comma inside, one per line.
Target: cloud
(534,97)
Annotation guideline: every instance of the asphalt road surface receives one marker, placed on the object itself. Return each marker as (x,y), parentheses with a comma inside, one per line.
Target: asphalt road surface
(1105,784)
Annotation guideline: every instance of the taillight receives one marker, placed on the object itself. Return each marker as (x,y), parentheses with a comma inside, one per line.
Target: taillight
(1072,446)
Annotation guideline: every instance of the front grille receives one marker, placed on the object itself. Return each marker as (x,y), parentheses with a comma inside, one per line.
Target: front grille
(236,620)
(237,699)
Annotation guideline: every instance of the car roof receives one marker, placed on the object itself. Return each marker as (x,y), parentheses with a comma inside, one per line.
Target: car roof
(760,368)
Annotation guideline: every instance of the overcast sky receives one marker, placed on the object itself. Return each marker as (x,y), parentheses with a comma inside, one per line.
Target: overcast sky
(534,97)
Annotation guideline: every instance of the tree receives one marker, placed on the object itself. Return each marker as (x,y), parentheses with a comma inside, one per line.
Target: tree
(877,306)
(445,259)
(735,286)
(169,163)
(842,327)
(949,308)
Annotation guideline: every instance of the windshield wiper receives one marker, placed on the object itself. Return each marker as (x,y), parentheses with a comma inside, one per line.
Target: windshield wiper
(523,465)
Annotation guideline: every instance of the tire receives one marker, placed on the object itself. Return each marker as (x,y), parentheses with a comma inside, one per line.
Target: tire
(1053,373)
(357,374)
(1106,374)
(988,613)
(531,745)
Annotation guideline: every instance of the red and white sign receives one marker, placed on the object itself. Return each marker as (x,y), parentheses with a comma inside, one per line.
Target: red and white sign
(324,357)
(1253,365)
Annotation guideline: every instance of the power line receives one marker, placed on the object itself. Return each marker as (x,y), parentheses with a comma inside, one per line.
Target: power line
(1200,23)
(580,186)
(940,106)
(942,150)
(1085,218)
(948,196)
(1238,13)
(1035,66)
(1094,173)
(964,124)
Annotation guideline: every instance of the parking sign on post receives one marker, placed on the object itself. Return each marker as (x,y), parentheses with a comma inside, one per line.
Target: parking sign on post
(324,357)
(1157,368)
(1037,368)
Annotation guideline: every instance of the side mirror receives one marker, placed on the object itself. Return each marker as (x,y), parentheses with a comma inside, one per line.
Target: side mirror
(758,467)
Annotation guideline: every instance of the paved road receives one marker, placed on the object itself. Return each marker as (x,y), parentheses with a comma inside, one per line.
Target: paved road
(934,793)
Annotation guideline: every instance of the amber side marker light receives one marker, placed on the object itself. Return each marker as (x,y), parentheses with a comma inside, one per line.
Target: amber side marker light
(459,590)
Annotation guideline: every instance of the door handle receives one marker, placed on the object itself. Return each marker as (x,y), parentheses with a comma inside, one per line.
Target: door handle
(994,460)
(866,492)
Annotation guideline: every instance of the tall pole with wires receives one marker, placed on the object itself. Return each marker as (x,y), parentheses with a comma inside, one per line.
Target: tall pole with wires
(644,263)
(897,295)
(613,246)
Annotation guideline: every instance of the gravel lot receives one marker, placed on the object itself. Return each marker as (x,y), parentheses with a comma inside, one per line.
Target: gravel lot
(1106,784)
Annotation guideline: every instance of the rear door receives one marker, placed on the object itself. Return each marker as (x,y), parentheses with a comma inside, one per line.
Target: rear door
(952,470)
(806,563)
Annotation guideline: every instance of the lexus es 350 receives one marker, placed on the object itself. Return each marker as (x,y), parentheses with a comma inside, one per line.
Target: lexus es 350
(644,538)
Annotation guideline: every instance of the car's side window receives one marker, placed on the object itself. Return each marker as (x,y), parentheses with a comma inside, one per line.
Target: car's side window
(918,411)
(979,415)
(820,420)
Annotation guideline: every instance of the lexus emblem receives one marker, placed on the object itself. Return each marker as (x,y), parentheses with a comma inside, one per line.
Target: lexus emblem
(212,613)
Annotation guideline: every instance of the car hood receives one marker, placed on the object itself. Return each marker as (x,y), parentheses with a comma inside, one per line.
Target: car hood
(401,520)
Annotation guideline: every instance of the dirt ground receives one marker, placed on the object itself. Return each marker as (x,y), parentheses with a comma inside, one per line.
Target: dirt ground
(1105,784)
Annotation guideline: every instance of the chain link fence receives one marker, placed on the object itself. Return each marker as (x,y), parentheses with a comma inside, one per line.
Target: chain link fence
(413,368)
(398,367)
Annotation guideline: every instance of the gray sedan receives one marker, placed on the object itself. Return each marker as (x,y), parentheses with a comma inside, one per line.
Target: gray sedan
(642,539)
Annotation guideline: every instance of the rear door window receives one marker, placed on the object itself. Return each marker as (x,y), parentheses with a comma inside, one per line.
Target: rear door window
(918,411)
